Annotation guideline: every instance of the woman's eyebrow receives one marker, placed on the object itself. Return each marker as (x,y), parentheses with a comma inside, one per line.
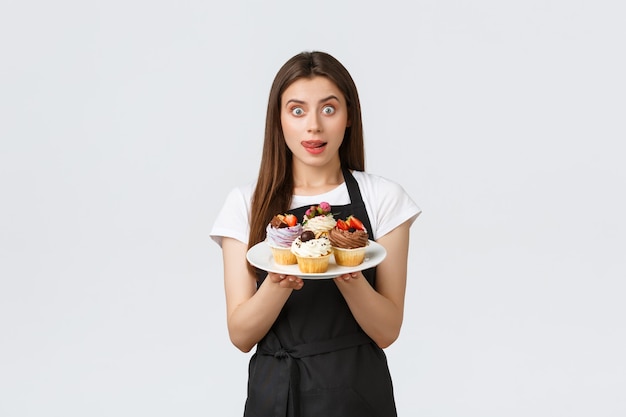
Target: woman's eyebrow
(330,97)
(295,100)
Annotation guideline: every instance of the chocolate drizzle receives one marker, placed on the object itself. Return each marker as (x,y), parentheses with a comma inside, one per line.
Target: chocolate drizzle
(348,240)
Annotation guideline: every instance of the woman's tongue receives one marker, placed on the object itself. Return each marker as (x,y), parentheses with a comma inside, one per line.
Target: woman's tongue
(314,146)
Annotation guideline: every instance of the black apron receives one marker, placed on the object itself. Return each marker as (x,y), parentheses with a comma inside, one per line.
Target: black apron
(316,361)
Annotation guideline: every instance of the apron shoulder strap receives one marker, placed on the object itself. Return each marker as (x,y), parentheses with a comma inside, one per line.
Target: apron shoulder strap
(356,199)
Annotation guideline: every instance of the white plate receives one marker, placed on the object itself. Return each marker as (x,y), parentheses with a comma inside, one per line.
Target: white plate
(260,255)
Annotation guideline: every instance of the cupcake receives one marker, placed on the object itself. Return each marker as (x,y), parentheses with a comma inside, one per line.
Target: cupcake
(280,234)
(312,254)
(319,220)
(349,240)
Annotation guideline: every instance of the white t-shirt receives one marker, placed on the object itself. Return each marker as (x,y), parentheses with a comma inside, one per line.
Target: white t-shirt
(386,202)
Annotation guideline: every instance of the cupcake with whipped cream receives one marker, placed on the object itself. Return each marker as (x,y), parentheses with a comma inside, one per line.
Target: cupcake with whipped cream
(319,220)
(312,254)
(281,231)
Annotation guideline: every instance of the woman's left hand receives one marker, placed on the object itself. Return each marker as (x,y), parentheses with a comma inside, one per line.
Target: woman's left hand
(349,277)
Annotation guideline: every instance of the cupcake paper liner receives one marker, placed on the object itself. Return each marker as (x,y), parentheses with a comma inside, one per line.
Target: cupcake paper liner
(349,257)
(315,265)
(283,256)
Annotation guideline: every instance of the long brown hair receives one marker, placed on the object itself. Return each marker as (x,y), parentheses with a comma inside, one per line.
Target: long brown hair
(274,187)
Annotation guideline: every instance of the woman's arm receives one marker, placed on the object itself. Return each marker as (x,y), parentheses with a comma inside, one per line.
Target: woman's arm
(379,311)
(251,312)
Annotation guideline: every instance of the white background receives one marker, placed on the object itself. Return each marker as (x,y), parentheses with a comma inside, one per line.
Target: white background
(123,125)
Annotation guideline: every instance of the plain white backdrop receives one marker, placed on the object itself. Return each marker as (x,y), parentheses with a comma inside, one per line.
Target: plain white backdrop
(123,125)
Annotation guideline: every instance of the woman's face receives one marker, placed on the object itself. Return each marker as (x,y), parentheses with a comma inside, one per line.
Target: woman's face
(314,117)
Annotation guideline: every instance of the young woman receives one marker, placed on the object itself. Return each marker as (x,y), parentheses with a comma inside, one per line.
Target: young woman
(319,343)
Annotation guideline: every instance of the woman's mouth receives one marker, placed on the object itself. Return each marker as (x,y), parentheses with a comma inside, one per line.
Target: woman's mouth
(314,146)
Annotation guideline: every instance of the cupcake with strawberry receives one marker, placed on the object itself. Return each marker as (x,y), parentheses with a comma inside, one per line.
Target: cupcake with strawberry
(319,220)
(280,234)
(349,240)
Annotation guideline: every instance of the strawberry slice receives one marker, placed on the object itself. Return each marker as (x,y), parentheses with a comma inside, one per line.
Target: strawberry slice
(291,220)
(355,223)
(341,224)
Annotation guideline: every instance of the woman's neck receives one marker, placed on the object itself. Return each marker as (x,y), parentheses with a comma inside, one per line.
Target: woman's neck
(311,180)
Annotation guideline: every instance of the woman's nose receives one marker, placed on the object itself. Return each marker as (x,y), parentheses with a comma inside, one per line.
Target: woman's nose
(314,123)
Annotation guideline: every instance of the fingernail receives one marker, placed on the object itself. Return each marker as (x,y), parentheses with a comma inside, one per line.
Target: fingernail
(281,276)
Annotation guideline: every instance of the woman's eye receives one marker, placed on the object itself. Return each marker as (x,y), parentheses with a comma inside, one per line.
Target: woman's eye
(328,110)
(297,111)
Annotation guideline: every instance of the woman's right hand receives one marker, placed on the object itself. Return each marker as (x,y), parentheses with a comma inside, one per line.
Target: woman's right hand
(286,281)
(251,310)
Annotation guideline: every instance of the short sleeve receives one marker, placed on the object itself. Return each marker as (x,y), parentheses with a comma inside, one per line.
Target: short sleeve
(233,219)
(387,203)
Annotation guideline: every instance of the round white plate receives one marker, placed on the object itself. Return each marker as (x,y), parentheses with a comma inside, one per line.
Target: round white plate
(260,255)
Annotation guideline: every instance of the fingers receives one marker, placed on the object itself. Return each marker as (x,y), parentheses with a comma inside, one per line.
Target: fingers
(275,277)
(290,281)
(348,277)
(287,281)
